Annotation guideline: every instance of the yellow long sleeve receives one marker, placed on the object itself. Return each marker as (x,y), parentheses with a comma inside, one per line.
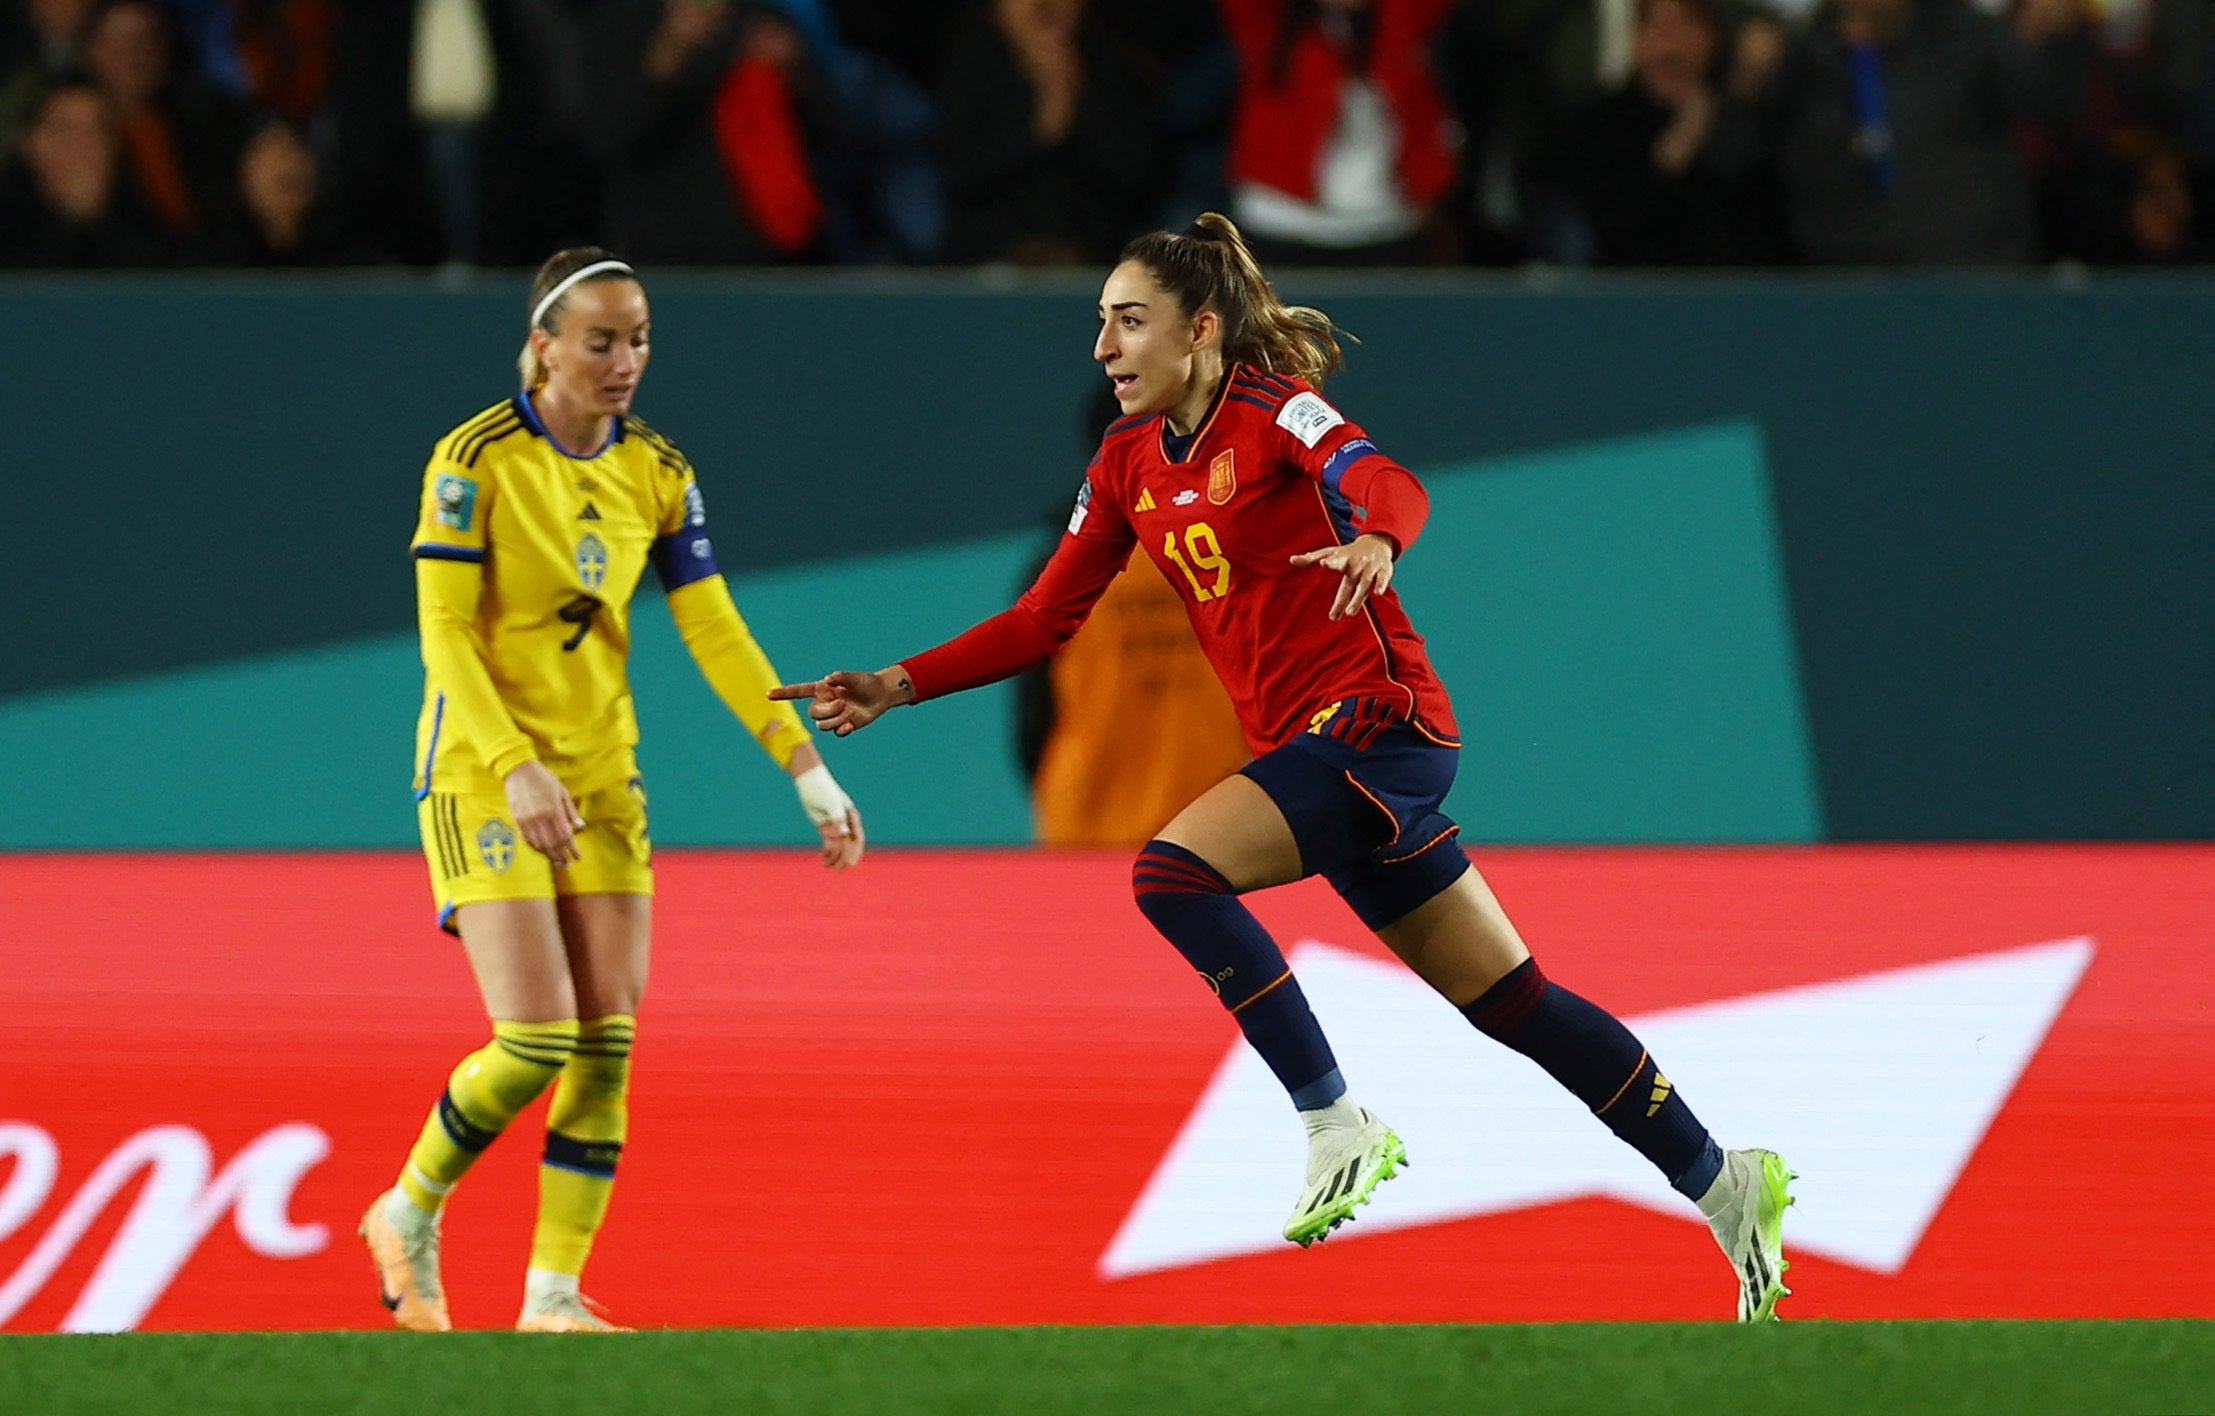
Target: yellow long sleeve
(446,594)
(734,665)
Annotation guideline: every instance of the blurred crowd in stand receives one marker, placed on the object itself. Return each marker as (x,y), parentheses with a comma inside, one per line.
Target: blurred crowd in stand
(1045,132)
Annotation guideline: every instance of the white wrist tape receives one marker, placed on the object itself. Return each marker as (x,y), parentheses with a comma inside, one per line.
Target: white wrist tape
(825,802)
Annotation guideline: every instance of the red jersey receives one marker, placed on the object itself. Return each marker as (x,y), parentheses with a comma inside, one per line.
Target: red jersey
(1273,471)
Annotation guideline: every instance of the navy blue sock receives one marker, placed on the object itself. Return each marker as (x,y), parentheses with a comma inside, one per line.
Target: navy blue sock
(1195,909)
(1585,1049)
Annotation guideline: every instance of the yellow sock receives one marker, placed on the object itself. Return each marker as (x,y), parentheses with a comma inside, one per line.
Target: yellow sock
(585,1127)
(483,1095)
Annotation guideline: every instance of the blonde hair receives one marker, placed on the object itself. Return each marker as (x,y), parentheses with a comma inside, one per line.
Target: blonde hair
(560,267)
(1208,267)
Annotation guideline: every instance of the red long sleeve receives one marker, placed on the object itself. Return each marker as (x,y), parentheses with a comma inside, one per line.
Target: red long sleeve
(1008,643)
(1040,622)
(1393,502)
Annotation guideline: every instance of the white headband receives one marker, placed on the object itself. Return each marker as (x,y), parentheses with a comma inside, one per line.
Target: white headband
(562,287)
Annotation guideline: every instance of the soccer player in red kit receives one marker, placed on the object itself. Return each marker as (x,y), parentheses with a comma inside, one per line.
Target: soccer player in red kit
(1280,522)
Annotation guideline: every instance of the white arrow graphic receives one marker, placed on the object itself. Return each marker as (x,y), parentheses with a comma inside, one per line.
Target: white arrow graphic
(1877,1089)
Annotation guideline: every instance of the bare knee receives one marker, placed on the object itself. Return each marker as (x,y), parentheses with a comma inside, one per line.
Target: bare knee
(608,939)
(515,950)
(1238,831)
(1460,941)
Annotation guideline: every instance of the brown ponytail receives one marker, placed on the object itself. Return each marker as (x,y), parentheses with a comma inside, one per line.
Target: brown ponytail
(559,267)
(1209,268)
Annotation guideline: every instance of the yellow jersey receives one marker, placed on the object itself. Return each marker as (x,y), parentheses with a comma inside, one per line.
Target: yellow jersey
(527,559)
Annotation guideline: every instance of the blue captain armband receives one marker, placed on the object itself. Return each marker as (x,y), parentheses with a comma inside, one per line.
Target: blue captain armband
(1334,470)
(431,550)
(683,557)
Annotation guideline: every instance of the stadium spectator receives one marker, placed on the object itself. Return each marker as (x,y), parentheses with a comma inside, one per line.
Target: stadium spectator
(2132,201)
(453,83)
(284,54)
(1882,132)
(379,171)
(1890,122)
(1179,52)
(180,135)
(63,202)
(916,36)
(1341,145)
(38,47)
(282,218)
(1047,147)
(880,173)
(1514,72)
(1640,159)
(705,129)
(2112,179)
(206,45)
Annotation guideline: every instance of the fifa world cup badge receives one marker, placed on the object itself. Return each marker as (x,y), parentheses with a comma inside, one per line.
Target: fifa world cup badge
(457,501)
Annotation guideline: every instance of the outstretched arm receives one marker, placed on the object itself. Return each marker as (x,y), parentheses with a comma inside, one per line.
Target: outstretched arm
(1094,551)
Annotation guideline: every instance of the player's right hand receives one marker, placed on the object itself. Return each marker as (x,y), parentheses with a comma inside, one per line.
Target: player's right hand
(544,812)
(845,701)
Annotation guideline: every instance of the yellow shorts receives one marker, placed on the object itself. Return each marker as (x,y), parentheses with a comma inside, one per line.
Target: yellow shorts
(476,854)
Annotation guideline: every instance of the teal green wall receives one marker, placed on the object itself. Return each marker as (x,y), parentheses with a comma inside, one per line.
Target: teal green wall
(1860,558)
(1610,621)
(312,748)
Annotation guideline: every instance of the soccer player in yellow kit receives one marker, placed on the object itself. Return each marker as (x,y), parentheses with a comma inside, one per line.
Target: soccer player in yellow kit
(538,518)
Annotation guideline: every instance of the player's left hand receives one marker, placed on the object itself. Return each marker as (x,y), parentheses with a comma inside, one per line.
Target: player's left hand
(843,840)
(1366,565)
(836,818)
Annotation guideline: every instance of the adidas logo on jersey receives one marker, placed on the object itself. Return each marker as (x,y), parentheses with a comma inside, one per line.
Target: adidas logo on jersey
(1145,500)
(590,513)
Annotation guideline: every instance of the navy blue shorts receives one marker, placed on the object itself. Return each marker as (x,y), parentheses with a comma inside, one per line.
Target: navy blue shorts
(1368,817)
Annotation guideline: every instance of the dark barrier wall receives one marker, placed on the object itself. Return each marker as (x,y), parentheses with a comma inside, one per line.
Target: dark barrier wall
(1994,497)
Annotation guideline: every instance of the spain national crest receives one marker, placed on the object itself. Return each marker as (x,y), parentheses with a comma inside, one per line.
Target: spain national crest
(1222,478)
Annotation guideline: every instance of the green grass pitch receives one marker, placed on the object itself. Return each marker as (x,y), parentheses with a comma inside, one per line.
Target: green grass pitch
(2105,1368)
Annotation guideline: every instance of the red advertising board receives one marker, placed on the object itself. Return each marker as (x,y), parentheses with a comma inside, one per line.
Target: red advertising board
(974,1088)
